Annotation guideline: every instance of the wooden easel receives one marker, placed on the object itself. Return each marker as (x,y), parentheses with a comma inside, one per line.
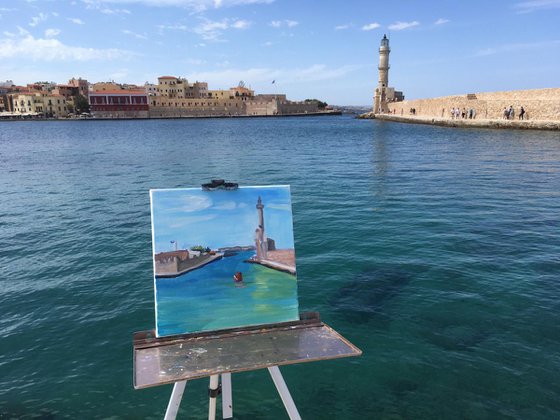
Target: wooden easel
(177,359)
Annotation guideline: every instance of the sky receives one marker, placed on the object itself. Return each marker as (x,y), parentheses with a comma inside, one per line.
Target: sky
(220,218)
(324,49)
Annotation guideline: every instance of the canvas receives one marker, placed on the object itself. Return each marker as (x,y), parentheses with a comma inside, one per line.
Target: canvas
(222,259)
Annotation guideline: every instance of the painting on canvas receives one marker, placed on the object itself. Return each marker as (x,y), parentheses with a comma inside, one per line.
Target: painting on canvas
(222,259)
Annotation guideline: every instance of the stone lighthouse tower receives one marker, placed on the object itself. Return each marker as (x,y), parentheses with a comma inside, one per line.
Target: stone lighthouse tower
(382,90)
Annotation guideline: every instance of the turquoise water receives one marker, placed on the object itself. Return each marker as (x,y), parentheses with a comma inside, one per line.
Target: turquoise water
(208,299)
(434,250)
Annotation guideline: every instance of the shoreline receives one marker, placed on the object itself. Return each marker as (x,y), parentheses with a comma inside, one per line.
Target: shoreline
(274,265)
(184,117)
(461,123)
(186,270)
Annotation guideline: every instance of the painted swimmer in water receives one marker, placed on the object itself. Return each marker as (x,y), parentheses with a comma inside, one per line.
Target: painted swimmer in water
(238,277)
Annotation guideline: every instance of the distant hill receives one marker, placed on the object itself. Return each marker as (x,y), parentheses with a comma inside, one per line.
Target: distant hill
(353,109)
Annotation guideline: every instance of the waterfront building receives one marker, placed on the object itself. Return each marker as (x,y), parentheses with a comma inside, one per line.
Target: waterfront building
(103,86)
(150,88)
(39,103)
(119,103)
(68,91)
(175,87)
(81,84)
(6,104)
(383,93)
(174,97)
(42,86)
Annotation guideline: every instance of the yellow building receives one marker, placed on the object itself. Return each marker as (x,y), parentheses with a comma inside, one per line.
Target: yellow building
(176,87)
(175,97)
(40,103)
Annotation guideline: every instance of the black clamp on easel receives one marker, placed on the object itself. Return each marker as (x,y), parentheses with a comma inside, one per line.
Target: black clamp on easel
(219,184)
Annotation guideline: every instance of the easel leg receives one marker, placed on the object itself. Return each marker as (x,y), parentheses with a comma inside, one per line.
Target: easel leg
(213,393)
(175,400)
(284,393)
(227,399)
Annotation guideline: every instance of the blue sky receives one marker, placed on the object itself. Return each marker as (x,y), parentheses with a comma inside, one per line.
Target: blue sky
(220,218)
(312,48)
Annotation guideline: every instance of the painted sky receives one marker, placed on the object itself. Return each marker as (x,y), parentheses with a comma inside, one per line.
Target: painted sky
(220,218)
(312,49)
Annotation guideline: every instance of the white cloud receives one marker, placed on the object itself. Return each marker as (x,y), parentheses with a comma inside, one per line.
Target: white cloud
(212,30)
(35,20)
(279,206)
(535,5)
(441,21)
(108,11)
(399,26)
(134,34)
(267,44)
(186,204)
(51,32)
(226,205)
(38,49)
(286,22)
(265,75)
(341,27)
(241,24)
(173,27)
(370,26)
(195,61)
(508,48)
(55,14)
(119,75)
(194,5)
(76,21)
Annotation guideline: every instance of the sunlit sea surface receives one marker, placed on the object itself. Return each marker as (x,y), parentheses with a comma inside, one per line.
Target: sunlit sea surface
(434,250)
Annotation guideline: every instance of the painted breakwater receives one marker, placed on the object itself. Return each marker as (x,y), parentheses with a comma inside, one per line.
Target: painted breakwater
(435,251)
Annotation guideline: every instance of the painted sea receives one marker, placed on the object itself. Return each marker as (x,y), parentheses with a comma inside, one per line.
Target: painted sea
(207,299)
(434,250)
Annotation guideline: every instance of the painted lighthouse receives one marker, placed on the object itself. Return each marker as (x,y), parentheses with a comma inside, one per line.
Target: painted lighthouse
(262,243)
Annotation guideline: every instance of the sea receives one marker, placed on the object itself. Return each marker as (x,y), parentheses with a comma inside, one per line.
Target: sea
(434,250)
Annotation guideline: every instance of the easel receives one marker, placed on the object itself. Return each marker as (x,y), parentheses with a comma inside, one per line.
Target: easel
(177,359)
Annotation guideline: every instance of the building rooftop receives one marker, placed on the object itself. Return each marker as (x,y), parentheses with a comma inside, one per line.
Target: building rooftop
(118,92)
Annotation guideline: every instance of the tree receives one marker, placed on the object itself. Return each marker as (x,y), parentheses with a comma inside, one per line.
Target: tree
(81,104)
(199,248)
(320,104)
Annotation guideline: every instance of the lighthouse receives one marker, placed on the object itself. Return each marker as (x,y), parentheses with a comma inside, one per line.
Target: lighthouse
(381,92)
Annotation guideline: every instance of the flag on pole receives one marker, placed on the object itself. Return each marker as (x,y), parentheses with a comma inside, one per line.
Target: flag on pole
(274,81)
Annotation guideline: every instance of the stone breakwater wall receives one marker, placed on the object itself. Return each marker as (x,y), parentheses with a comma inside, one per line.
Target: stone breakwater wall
(539,104)
(476,123)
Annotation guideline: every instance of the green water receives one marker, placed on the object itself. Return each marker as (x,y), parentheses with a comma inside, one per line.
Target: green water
(208,299)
